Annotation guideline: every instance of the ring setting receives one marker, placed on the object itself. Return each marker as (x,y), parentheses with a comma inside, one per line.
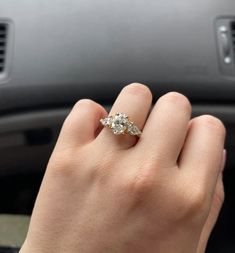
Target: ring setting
(121,124)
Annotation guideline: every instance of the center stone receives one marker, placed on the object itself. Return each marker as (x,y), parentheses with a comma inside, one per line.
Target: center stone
(119,124)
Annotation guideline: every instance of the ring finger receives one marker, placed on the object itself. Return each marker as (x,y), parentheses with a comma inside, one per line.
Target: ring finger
(135,101)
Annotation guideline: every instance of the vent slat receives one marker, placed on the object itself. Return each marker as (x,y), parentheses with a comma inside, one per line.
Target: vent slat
(3,28)
(3,45)
(233,34)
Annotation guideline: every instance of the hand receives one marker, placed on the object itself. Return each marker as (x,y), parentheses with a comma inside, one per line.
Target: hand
(105,193)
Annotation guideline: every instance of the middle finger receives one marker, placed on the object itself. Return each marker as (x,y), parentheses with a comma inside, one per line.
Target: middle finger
(165,130)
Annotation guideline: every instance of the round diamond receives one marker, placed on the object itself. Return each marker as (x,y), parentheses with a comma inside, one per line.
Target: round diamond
(119,124)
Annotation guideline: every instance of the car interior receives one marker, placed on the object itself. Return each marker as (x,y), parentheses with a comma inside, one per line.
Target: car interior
(53,53)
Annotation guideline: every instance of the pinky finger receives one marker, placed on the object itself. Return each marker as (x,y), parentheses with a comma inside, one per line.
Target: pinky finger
(216,206)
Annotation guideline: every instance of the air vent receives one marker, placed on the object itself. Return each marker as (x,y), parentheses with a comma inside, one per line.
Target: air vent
(3,45)
(225,29)
(233,34)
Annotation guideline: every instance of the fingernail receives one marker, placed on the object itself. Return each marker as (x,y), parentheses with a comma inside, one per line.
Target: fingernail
(224,158)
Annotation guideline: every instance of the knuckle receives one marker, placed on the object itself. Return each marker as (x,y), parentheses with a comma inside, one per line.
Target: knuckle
(212,122)
(139,89)
(140,186)
(61,165)
(143,185)
(102,168)
(197,201)
(178,99)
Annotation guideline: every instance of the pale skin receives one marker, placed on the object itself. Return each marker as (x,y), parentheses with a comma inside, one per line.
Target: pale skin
(103,193)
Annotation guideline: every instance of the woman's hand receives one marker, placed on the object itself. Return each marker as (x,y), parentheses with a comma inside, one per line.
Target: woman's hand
(105,193)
